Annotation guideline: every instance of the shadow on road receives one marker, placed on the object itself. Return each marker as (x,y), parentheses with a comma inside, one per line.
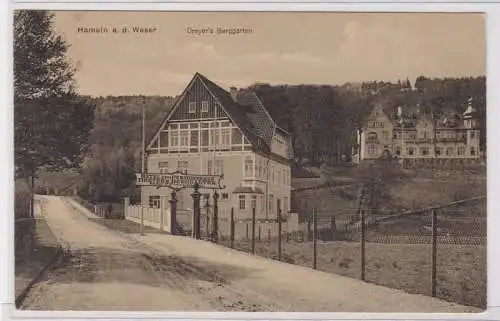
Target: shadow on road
(109,265)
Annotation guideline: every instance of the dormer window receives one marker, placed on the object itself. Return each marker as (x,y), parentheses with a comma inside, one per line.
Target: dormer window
(204,106)
(192,107)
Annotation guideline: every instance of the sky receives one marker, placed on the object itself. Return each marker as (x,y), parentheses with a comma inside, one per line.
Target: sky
(282,48)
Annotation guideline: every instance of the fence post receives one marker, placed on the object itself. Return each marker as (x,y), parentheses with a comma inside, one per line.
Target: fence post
(315,258)
(363,244)
(253,230)
(232,227)
(247,232)
(142,219)
(279,229)
(269,236)
(207,205)
(434,250)
(259,233)
(216,217)
(333,227)
(163,209)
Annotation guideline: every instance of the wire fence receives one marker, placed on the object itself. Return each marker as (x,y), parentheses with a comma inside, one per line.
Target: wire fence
(439,251)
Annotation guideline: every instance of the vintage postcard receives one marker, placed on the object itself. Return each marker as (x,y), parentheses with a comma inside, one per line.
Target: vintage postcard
(238,161)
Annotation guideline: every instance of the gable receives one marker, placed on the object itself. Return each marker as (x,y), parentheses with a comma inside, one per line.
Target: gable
(204,103)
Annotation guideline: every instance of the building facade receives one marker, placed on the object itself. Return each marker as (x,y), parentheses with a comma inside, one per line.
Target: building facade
(419,136)
(211,131)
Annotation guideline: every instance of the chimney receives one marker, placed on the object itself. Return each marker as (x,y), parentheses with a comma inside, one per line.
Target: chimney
(234,92)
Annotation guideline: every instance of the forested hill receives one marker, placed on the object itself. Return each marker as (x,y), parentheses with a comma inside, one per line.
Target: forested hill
(310,112)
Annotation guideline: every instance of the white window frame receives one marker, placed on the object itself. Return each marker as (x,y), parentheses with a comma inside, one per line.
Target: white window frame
(242,202)
(174,138)
(154,201)
(192,107)
(163,167)
(184,138)
(248,165)
(253,202)
(204,106)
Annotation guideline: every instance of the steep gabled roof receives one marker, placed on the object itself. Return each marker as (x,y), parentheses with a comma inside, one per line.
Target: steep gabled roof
(240,114)
(247,112)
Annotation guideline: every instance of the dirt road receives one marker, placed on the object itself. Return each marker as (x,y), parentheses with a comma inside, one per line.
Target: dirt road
(104,269)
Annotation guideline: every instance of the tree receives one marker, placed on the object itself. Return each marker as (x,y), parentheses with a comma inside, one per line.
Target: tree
(51,122)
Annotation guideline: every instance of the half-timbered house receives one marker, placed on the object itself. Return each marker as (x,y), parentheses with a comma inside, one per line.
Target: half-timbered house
(211,131)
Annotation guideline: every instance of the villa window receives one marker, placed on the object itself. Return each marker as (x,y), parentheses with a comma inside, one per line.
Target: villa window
(226,137)
(219,167)
(438,151)
(449,151)
(372,137)
(271,201)
(163,167)
(424,151)
(372,149)
(242,202)
(174,138)
(204,106)
(184,138)
(182,166)
(472,151)
(154,201)
(398,150)
(192,107)
(253,203)
(461,151)
(225,196)
(410,151)
(248,166)
(210,165)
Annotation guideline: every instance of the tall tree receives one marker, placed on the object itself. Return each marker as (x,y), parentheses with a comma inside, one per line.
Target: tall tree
(51,122)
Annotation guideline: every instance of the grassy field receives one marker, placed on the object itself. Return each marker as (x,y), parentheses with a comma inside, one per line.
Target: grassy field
(461,270)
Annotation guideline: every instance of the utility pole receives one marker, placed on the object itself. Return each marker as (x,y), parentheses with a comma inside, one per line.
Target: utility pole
(143,160)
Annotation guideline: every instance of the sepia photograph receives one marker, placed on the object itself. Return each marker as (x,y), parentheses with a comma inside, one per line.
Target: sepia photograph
(250,161)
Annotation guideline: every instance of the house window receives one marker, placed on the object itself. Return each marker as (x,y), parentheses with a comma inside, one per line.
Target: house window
(242,202)
(410,151)
(372,149)
(449,151)
(182,166)
(226,137)
(174,138)
(204,106)
(472,151)
(184,138)
(385,134)
(371,137)
(219,167)
(225,196)
(424,151)
(398,150)
(163,167)
(192,107)
(253,203)
(214,137)
(248,166)
(271,201)
(154,201)
(438,151)
(210,165)
(461,151)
